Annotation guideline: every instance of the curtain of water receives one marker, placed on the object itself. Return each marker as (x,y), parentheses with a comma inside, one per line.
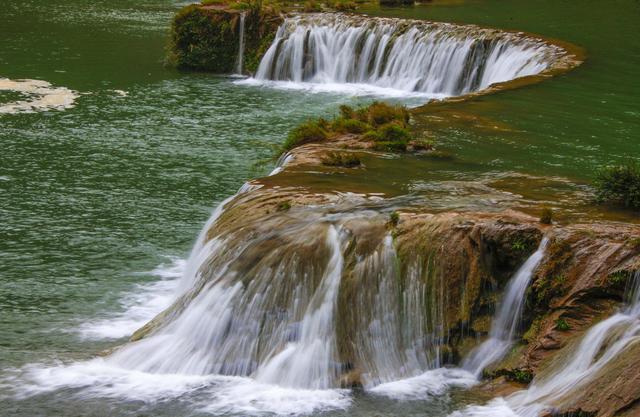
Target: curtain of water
(403,55)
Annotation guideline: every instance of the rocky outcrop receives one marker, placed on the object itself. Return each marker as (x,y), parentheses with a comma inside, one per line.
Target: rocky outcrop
(206,38)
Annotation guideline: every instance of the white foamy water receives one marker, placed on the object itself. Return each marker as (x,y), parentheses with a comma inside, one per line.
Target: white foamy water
(39,96)
(139,306)
(435,382)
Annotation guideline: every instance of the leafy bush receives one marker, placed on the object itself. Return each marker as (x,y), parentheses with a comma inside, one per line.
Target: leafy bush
(343,125)
(382,113)
(394,133)
(619,185)
(341,159)
(309,131)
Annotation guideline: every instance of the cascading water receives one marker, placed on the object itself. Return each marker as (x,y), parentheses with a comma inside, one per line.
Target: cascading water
(239,60)
(433,59)
(599,346)
(505,323)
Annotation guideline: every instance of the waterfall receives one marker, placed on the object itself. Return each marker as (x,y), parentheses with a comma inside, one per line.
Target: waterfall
(506,321)
(239,60)
(598,347)
(435,59)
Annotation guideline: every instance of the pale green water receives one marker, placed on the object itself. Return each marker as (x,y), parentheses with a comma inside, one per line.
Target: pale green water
(94,196)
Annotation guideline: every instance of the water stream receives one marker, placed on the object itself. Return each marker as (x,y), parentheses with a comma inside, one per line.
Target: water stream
(598,347)
(505,324)
(240,57)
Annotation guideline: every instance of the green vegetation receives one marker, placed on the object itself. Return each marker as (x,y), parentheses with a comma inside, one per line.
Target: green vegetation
(546,217)
(519,375)
(519,245)
(562,325)
(396,2)
(394,218)
(618,278)
(283,206)
(384,124)
(341,159)
(307,132)
(205,36)
(202,39)
(549,288)
(619,185)
(530,335)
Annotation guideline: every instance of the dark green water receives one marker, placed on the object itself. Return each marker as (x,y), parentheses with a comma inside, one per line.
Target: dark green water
(95,197)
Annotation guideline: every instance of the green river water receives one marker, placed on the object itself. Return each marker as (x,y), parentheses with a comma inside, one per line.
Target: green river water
(100,203)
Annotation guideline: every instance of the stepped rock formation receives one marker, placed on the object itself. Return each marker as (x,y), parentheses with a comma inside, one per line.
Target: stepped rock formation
(388,299)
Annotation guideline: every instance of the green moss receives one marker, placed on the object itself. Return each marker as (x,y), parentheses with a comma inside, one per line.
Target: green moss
(519,375)
(394,218)
(562,325)
(634,242)
(619,185)
(546,217)
(309,131)
(618,278)
(519,245)
(283,206)
(341,159)
(530,335)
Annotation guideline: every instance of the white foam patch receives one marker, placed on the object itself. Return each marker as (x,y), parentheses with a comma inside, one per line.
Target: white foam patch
(213,394)
(497,407)
(246,397)
(432,383)
(41,96)
(350,89)
(98,378)
(140,306)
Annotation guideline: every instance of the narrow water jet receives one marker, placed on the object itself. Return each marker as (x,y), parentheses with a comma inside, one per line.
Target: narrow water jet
(240,58)
(505,323)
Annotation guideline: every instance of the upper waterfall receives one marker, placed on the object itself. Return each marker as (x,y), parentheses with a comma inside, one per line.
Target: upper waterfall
(433,59)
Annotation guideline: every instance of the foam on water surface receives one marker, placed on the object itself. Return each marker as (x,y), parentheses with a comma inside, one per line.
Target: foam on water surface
(39,96)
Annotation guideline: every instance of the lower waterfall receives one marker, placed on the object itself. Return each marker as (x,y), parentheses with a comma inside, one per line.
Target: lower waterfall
(597,348)
(433,59)
(505,323)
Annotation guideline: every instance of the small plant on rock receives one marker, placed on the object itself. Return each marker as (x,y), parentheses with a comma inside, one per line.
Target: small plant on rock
(562,325)
(546,217)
